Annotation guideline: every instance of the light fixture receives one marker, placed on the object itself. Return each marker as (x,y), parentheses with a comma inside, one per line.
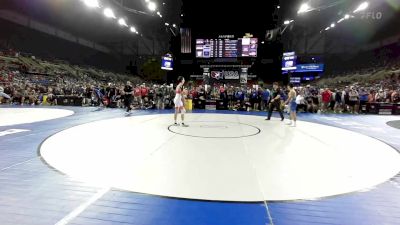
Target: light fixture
(174,25)
(327,28)
(109,13)
(363,6)
(278,7)
(347,16)
(304,8)
(122,22)
(133,30)
(92,3)
(167,24)
(152,6)
(287,22)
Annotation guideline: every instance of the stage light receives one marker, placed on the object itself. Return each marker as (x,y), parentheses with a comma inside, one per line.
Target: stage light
(152,6)
(363,6)
(304,8)
(287,22)
(158,12)
(92,3)
(133,30)
(278,7)
(109,13)
(347,16)
(333,25)
(167,24)
(327,28)
(262,42)
(174,25)
(341,20)
(122,22)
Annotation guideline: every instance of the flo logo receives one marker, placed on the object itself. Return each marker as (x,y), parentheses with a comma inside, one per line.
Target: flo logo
(371,15)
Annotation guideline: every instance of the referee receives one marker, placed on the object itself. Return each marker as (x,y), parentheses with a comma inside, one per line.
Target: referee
(275,101)
(128,90)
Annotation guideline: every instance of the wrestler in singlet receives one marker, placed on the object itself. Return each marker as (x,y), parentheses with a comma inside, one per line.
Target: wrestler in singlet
(179,107)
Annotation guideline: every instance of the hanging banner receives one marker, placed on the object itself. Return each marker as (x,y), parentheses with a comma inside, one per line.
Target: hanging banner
(243,78)
(231,75)
(243,75)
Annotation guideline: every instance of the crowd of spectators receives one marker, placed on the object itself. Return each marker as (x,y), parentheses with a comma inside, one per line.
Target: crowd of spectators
(24,87)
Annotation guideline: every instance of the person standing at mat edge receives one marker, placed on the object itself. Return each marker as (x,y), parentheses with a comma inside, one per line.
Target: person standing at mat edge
(291,102)
(128,90)
(275,101)
(178,101)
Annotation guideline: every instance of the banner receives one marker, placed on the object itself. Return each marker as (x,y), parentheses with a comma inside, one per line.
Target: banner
(309,68)
(231,75)
(216,75)
(197,77)
(243,78)
(383,108)
(295,80)
(251,77)
(186,40)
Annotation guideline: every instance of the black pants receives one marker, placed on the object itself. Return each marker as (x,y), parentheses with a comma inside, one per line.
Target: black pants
(128,103)
(278,107)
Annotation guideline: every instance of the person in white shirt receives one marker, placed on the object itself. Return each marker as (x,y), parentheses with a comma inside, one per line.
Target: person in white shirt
(3,95)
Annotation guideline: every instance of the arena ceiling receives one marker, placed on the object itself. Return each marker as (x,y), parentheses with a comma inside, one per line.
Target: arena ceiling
(74,17)
(379,21)
(227,16)
(208,17)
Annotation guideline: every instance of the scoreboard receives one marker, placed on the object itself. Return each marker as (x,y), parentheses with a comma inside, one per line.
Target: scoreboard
(226,48)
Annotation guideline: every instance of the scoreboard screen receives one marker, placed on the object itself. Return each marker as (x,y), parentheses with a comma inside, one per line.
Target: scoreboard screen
(289,61)
(167,62)
(226,48)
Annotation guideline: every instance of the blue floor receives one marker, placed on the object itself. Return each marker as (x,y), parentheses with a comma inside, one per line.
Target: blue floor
(33,193)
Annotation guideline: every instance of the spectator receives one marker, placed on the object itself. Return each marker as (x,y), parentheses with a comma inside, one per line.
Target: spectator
(353,100)
(326,99)
(338,102)
(380,96)
(301,102)
(265,99)
(363,99)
